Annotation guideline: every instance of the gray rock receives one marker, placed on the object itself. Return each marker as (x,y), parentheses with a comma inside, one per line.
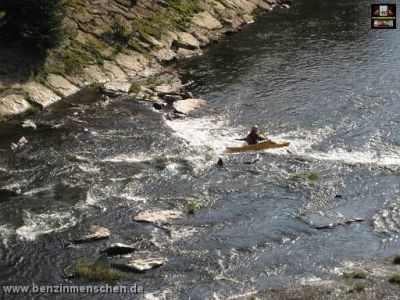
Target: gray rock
(186,41)
(22,142)
(119,249)
(145,264)
(188,105)
(206,20)
(329,219)
(94,233)
(161,216)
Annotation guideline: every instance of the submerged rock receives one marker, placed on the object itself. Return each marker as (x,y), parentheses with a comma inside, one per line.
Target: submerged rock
(119,249)
(22,142)
(188,105)
(95,233)
(326,220)
(29,124)
(161,216)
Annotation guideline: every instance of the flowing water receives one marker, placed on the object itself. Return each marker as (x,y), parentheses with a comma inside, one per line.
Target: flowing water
(314,75)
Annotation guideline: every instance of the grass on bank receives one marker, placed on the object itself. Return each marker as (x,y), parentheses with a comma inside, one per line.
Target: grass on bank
(92,272)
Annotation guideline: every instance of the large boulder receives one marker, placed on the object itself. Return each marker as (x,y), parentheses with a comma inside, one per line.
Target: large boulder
(187,105)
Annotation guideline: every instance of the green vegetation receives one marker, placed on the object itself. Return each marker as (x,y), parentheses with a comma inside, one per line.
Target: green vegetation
(36,22)
(396,259)
(101,273)
(193,207)
(356,275)
(395,279)
(135,87)
(359,287)
(120,30)
(311,176)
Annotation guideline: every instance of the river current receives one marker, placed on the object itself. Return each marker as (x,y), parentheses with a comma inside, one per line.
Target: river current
(315,75)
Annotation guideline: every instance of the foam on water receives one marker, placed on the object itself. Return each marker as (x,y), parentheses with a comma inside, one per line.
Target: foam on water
(127,158)
(5,233)
(38,224)
(301,144)
(209,132)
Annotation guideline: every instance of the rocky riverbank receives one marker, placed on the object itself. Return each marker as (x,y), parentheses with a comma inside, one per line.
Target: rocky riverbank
(125,47)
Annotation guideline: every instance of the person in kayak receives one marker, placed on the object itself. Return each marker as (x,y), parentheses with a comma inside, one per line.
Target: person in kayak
(254,136)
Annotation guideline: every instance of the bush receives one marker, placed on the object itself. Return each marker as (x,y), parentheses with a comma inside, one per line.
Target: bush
(38,22)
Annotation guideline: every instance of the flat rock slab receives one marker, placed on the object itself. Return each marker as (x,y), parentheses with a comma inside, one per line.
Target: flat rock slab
(62,85)
(94,233)
(326,220)
(161,216)
(13,104)
(40,94)
(207,21)
(145,264)
(188,105)
(117,86)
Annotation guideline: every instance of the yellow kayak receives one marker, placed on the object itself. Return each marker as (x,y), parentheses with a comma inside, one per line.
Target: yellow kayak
(259,146)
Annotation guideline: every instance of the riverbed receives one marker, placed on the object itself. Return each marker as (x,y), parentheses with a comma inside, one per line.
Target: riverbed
(315,75)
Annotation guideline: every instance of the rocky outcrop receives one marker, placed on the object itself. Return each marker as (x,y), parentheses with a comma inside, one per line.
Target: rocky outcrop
(328,220)
(153,32)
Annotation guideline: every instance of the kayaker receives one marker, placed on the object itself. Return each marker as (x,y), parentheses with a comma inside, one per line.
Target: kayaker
(254,136)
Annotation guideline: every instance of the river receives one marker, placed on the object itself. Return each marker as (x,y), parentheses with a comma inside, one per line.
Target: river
(315,75)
